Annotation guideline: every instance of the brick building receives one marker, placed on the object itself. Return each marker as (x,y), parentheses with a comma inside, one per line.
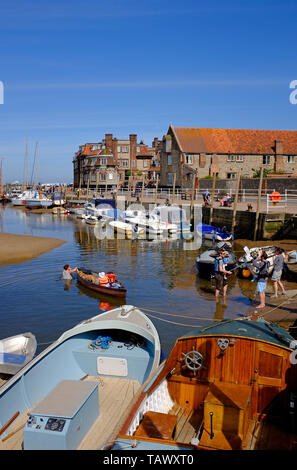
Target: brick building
(113,160)
(199,152)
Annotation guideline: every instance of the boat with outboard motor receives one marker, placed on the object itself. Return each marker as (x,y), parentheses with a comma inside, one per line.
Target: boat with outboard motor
(228,386)
(205,262)
(76,393)
(16,351)
(209,232)
(91,280)
(174,218)
(245,262)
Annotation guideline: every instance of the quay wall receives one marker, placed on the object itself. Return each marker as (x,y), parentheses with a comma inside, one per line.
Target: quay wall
(269,184)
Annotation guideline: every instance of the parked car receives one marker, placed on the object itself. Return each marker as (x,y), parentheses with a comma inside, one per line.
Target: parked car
(139,185)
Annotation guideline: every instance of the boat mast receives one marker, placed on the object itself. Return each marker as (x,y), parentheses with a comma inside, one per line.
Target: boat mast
(25,176)
(1,178)
(34,169)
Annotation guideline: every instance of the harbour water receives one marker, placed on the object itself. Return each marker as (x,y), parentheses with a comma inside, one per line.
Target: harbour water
(160,276)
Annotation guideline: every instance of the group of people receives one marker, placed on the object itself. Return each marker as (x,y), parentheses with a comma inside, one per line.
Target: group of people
(104,279)
(262,265)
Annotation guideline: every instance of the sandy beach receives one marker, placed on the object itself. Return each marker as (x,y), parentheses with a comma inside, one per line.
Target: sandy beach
(18,248)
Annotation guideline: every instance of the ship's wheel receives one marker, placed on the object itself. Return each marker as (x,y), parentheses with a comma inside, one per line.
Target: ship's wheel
(193,360)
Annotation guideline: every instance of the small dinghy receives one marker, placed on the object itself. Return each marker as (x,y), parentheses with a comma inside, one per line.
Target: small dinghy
(16,352)
(76,393)
(209,232)
(245,262)
(205,263)
(90,280)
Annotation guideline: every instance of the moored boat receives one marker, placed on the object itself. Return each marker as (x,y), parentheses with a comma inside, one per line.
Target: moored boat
(90,280)
(245,262)
(209,232)
(205,262)
(126,228)
(16,351)
(68,396)
(228,386)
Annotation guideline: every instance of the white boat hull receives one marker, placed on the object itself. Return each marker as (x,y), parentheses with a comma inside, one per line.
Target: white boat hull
(16,352)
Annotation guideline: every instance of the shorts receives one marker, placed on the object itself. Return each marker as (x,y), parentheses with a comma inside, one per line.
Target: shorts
(276,275)
(220,281)
(261,286)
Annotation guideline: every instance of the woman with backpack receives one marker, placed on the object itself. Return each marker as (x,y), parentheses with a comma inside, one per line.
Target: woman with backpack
(262,265)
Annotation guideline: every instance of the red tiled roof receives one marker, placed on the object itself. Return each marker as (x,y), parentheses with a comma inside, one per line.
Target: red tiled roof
(238,141)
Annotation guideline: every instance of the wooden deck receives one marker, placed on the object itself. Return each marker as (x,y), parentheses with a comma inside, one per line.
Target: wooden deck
(115,396)
(188,423)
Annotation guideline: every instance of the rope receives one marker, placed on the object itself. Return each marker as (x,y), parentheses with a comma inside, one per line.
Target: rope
(174,323)
(174,314)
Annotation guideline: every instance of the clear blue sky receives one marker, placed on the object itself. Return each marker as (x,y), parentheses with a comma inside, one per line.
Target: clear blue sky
(75,70)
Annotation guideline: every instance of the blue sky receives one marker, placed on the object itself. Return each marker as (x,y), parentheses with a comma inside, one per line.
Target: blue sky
(75,70)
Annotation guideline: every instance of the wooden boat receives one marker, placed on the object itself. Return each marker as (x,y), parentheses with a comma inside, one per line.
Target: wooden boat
(76,392)
(228,386)
(16,351)
(245,262)
(89,279)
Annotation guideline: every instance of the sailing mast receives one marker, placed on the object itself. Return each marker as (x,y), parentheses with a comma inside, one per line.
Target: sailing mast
(34,169)
(1,179)
(25,176)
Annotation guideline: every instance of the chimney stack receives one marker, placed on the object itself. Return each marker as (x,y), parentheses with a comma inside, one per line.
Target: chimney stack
(108,141)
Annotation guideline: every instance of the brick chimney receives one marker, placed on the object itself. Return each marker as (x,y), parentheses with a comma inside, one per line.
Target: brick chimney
(279,164)
(108,141)
(156,142)
(133,145)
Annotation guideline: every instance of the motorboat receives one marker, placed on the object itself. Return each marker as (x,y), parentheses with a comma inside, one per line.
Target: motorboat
(205,262)
(76,393)
(229,386)
(38,200)
(16,351)
(174,217)
(22,198)
(245,262)
(144,220)
(209,232)
(126,229)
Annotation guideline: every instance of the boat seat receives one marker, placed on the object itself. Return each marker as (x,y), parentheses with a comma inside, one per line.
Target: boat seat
(157,425)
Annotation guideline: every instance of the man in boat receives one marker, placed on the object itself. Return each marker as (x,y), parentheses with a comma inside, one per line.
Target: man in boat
(221,273)
(262,266)
(67,271)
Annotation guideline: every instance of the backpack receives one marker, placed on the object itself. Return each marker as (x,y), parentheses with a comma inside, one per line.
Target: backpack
(263,271)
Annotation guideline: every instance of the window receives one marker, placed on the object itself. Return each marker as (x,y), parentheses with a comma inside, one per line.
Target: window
(189,159)
(95,147)
(137,149)
(169,179)
(124,162)
(291,158)
(133,162)
(103,177)
(231,175)
(103,161)
(125,149)
(169,160)
(239,158)
(266,159)
(145,163)
(231,158)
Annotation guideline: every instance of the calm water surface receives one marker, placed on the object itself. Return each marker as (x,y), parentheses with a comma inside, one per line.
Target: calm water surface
(159,275)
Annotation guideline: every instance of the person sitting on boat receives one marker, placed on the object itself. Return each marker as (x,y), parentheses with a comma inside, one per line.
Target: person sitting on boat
(67,271)
(103,280)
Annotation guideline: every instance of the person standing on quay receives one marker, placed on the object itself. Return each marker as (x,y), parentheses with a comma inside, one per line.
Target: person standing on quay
(277,272)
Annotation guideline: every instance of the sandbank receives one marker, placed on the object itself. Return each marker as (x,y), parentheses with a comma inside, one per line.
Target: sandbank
(18,248)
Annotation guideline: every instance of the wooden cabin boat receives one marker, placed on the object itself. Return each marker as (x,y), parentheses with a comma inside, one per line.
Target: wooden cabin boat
(16,351)
(89,279)
(75,394)
(231,386)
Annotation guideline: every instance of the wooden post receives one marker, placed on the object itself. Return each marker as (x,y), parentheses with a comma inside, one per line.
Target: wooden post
(235,203)
(212,197)
(192,197)
(88,186)
(156,190)
(173,188)
(129,191)
(142,189)
(258,203)
(96,183)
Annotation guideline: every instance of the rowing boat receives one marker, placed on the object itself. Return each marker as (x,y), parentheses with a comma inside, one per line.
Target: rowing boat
(89,279)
